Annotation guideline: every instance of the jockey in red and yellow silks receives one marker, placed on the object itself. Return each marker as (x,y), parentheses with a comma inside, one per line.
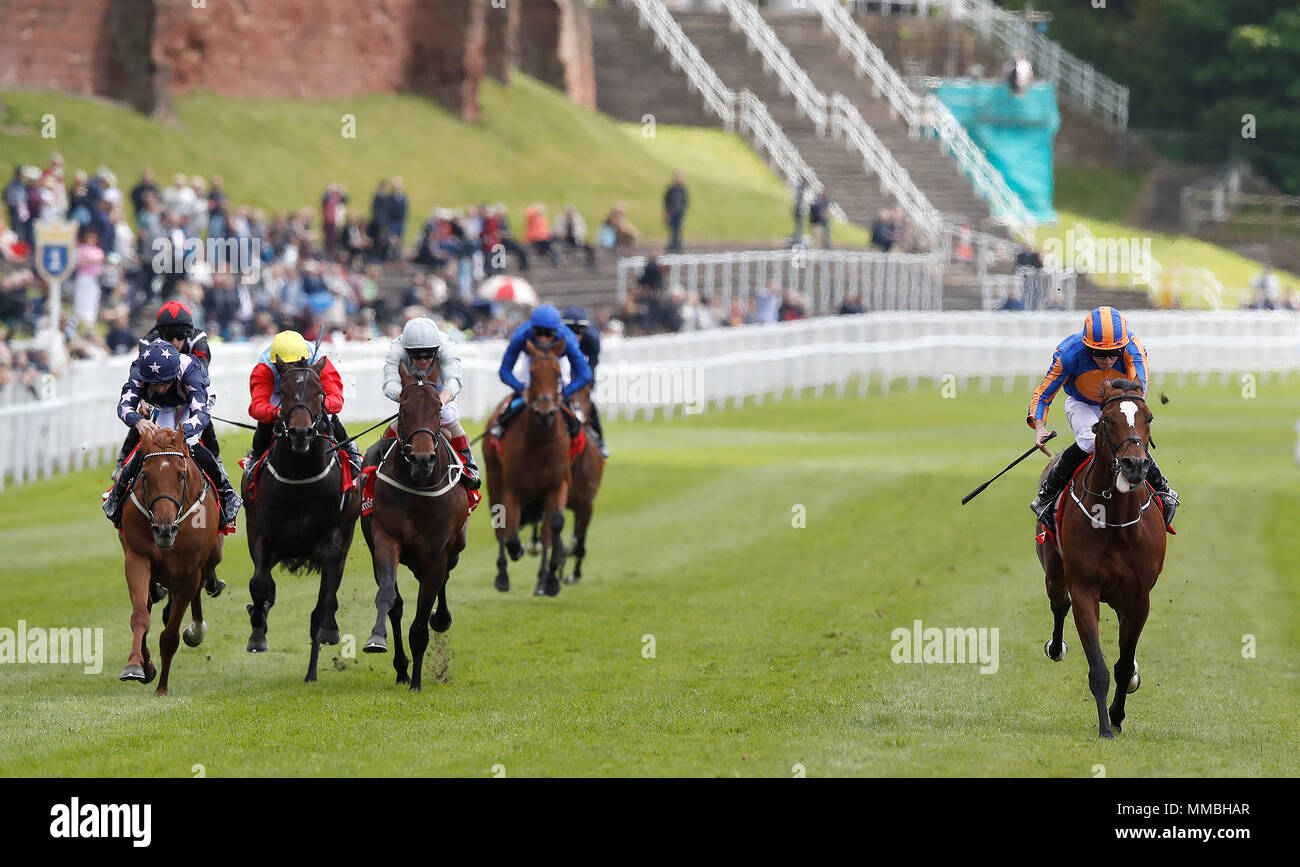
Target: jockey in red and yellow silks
(1104,350)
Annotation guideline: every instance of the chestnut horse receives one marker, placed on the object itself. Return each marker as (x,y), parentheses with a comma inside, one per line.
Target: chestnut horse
(299,515)
(420,519)
(530,464)
(169,536)
(1112,535)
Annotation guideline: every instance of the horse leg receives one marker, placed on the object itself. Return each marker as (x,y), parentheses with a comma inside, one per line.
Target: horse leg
(385,556)
(171,634)
(138,578)
(1126,676)
(194,633)
(401,663)
(1085,620)
(434,569)
(502,581)
(535,544)
(1059,597)
(326,603)
(553,539)
(581,520)
(514,508)
(261,587)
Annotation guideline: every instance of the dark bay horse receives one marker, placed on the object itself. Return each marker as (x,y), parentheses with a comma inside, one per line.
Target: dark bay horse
(299,514)
(420,518)
(530,464)
(1112,538)
(587,471)
(169,536)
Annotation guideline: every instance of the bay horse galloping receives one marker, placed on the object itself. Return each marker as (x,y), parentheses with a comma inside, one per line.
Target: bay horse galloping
(300,513)
(419,517)
(169,536)
(530,464)
(1111,537)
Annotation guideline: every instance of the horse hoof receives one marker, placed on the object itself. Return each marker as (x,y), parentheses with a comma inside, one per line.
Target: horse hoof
(311,678)
(327,635)
(403,677)
(1107,734)
(150,672)
(552,587)
(535,548)
(214,589)
(132,672)
(376,644)
(415,687)
(1134,682)
(193,634)
(160,691)
(257,643)
(1047,649)
(440,623)
(515,550)
(502,583)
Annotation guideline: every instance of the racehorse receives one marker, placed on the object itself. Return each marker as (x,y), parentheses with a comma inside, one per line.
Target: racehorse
(419,517)
(299,512)
(530,463)
(169,535)
(1112,538)
(588,468)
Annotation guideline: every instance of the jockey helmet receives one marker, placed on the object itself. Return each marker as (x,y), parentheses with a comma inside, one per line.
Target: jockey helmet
(421,333)
(546,316)
(289,346)
(1105,328)
(576,318)
(160,362)
(173,313)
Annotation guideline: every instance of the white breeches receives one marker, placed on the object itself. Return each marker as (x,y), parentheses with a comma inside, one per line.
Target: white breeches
(1082,416)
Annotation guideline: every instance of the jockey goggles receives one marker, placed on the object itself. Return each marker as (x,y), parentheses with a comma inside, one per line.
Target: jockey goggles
(542,331)
(1104,353)
(422,353)
(174,332)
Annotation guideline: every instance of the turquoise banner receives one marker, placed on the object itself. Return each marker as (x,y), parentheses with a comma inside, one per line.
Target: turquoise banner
(1016,134)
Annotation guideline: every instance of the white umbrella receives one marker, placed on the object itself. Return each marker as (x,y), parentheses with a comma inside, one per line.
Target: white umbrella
(511,290)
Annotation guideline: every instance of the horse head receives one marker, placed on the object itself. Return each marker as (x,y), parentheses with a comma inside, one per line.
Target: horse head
(302,403)
(1125,430)
(163,482)
(419,406)
(544,379)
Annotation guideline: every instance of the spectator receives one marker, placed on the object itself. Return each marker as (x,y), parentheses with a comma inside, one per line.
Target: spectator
(697,316)
(218,208)
(882,231)
(90,267)
(819,214)
(140,190)
(574,230)
(1013,301)
(622,232)
(793,306)
(652,278)
(675,204)
(537,232)
(333,215)
(396,211)
(800,209)
(768,305)
(851,305)
(121,339)
(379,223)
(15,195)
(1266,287)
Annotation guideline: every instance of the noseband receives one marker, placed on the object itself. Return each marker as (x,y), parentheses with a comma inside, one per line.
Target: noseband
(282,423)
(181,511)
(407,448)
(559,392)
(1114,465)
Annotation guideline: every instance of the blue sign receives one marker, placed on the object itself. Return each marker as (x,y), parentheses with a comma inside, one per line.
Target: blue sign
(54,260)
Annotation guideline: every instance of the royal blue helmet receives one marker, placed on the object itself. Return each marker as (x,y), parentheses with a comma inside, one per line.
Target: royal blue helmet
(546,316)
(160,362)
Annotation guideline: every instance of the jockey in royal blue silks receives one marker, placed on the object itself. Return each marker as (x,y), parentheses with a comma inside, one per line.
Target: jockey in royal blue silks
(1104,350)
(176,384)
(589,342)
(544,325)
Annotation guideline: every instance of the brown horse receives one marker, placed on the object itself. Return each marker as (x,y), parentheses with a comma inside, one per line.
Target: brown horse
(420,519)
(1112,535)
(530,464)
(588,469)
(169,535)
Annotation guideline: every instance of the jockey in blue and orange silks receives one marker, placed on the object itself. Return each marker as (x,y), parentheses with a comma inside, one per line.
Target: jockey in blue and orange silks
(1104,350)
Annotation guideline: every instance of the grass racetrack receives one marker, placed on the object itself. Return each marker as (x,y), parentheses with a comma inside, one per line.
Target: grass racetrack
(772,643)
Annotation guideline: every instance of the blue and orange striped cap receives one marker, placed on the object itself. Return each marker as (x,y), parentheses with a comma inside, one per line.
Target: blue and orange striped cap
(1105,328)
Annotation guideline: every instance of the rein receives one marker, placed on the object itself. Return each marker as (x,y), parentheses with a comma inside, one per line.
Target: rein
(1109,491)
(453,471)
(147,511)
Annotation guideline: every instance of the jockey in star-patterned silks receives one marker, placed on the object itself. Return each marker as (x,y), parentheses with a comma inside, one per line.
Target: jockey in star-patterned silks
(1104,350)
(420,345)
(544,325)
(177,386)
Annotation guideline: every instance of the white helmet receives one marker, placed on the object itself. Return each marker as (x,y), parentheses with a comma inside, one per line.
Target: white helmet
(421,333)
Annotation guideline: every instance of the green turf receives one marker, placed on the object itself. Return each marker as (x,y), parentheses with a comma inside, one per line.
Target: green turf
(532,145)
(772,643)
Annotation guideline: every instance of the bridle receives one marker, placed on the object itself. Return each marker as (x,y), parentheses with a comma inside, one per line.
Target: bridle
(282,423)
(406,449)
(559,391)
(1114,469)
(181,512)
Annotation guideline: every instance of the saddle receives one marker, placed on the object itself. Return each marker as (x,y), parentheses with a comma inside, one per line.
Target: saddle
(254,470)
(366,481)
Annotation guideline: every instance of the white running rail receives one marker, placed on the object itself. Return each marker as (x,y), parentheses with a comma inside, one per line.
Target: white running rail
(843,117)
(881,281)
(692,372)
(741,112)
(922,113)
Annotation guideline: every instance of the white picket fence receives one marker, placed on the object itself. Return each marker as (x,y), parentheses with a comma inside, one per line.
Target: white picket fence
(692,372)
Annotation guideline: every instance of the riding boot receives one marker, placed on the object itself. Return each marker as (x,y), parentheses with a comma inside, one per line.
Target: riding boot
(128,445)
(1168,496)
(230,501)
(1056,480)
(261,442)
(340,434)
(512,409)
(117,495)
(469,478)
(599,429)
(573,423)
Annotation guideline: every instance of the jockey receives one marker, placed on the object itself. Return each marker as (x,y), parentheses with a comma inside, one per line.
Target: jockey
(264,388)
(544,324)
(589,342)
(175,325)
(1103,351)
(177,383)
(420,345)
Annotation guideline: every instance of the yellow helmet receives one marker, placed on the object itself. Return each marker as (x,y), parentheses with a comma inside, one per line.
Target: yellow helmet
(289,346)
